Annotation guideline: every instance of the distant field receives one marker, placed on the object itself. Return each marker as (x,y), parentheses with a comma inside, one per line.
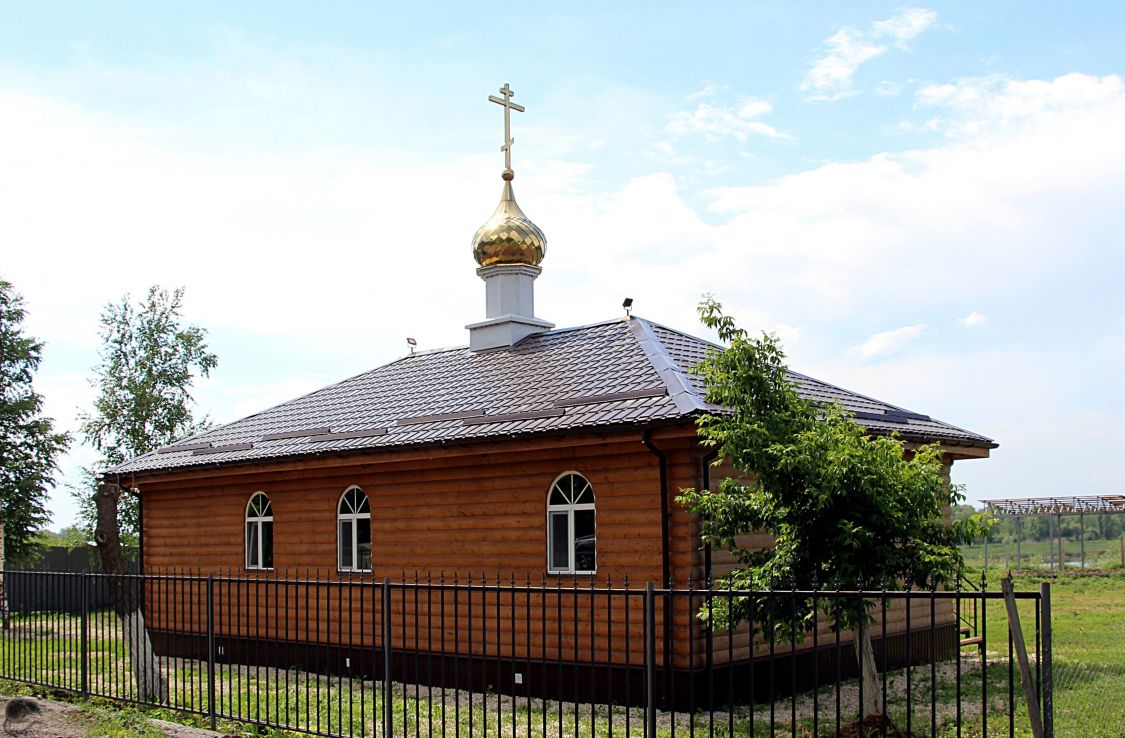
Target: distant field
(1035,555)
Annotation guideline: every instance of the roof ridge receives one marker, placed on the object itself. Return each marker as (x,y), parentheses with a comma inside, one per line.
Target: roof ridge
(598,324)
(671,374)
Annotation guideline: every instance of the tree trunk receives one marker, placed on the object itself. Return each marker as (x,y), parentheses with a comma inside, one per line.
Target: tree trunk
(151,684)
(869,675)
(4,624)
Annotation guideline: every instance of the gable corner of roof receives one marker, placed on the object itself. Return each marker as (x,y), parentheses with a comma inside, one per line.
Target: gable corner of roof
(671,374)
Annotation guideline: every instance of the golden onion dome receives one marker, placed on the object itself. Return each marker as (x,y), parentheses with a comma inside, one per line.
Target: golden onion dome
(509,237)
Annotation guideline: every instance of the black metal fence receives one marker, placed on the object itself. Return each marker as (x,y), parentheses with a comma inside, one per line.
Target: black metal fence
(455,656)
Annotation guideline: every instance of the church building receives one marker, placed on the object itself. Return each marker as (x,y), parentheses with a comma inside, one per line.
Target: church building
(538,452)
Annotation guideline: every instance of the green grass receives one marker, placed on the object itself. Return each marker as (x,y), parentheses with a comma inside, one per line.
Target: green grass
(1089,671)
(113,721)
(1088,653)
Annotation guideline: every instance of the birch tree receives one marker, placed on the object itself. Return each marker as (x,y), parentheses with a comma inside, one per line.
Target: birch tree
(149,361)
(842,504)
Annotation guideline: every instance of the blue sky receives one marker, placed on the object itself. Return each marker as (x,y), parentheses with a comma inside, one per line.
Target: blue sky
(923,201)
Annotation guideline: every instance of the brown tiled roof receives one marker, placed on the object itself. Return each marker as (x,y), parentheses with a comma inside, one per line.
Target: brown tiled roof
(623,372)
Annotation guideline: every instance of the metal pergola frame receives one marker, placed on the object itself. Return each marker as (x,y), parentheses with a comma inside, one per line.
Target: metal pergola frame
(1038,506)
(1053,508)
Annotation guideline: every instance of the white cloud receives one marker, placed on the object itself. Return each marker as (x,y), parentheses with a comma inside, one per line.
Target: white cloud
(889,342)
(716,120)
(666,154)
(708,90)
(974,318)
(904,25)
(832,74)
(974,106)
(1001,200)
(886,88)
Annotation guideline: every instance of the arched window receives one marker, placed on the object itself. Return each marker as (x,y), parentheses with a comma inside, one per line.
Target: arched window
(259,532)
(354,531)
(570,525)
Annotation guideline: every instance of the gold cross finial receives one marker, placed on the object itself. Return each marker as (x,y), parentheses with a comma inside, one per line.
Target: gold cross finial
(509,106)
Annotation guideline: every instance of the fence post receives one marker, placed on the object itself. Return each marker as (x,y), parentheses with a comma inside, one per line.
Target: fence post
(374,658)
(1051,542)
(84,598)
(1048,684)
(650,661)
(1015,631)
(211,648)
(388,701)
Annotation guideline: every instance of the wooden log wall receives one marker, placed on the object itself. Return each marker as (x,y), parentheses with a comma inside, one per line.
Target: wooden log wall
(461,513)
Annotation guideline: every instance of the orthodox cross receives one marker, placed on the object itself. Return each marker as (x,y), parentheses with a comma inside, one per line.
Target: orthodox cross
(509,106)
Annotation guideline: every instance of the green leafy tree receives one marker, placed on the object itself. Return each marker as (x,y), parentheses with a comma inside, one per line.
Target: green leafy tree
(148,362)
(69,537)
(962,512)
(842,504)
(29,445)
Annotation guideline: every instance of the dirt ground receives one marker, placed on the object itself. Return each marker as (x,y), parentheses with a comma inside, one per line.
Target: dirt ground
(61,720)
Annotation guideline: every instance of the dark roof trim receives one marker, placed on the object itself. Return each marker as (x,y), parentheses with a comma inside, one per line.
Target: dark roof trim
(898,416)
(612,396)
(183,447)
(296,434)
(417,420)
(221,449)
(367,433)
(505,417)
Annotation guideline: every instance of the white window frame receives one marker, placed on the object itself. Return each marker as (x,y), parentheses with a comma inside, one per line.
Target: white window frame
(257,521)
(570,508)
(351,519)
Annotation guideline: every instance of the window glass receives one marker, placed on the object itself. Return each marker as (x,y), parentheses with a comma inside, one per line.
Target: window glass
(267,544)
(345,544)
(251,545)
(560,541)
(363,543)
(584,540)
